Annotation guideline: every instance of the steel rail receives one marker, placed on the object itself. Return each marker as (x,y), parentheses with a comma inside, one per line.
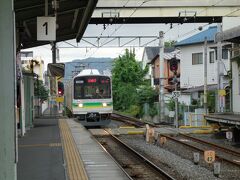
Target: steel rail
(201,150)
(227,150)
(155,167)
(130,120)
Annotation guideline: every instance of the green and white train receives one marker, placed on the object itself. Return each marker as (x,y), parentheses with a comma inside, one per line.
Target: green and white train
(89,97)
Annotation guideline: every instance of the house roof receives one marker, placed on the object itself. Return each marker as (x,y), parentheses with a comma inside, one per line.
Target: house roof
(153,52)
(200,37)
(210,87)
(201,88)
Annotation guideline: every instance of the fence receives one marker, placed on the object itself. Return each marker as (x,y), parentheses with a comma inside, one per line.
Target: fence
(51,107)
(187,115)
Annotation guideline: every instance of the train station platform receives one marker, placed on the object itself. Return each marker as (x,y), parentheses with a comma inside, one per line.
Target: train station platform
(62,149)
(227,118)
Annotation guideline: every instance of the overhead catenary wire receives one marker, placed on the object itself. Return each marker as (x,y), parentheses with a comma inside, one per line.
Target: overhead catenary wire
(145,1)
(172,27)
(99,36)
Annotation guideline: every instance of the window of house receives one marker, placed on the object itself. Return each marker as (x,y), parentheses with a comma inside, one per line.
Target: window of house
(211,57)
(197,58)
(224,54)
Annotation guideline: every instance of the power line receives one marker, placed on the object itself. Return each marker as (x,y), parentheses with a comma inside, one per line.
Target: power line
(106,28)
(145,1)
(172,27)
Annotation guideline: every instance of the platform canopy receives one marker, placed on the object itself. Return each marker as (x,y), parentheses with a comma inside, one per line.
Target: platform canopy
(72,16)
(231,35)
(56,69)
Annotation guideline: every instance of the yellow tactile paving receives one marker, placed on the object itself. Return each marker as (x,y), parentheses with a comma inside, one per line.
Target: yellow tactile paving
(75,166)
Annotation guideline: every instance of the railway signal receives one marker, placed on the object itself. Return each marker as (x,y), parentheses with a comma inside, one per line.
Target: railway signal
(60,88)
(174,65)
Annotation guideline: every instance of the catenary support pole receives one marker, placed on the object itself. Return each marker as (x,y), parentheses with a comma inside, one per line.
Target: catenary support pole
(8,138)
(220,99)
(161,77)
(205,76)
(46,7)
(176,104)
(54,54)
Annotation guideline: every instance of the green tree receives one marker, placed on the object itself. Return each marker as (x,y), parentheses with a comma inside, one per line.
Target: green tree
(146,94)
(40,90)
(170,43)
(128,76)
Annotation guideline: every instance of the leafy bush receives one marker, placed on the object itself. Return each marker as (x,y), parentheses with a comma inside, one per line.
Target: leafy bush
(134,110)
(153,111)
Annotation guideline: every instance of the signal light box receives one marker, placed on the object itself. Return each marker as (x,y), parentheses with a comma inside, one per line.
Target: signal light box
(174,65)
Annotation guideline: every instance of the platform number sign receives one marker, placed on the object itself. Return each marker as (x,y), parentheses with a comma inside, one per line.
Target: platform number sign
(209,156)
(46,28)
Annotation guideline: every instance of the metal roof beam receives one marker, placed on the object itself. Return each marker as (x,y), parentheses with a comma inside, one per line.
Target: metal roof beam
(86,18)
(76,13)
(64,6)
(27,29)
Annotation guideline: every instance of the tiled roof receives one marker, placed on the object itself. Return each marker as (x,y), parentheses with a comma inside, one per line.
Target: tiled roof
(199,38)
(152,52)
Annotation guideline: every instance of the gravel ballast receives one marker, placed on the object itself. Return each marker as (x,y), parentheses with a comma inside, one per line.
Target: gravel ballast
(173,162)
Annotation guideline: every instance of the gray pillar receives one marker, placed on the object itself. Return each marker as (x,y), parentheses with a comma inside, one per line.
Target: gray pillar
(54,55)
(205,76)
(161,77)
(221,99)
(7,92)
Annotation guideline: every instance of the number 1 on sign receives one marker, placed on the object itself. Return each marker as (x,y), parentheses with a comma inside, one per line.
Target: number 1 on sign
(46,27)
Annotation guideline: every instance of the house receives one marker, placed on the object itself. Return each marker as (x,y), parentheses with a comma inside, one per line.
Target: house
(151,57)
(30,63)
(192,68)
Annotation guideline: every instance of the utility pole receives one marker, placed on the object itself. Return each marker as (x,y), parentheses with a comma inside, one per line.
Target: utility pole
(176,102)
(161,77)
(220,98)
(205,76)
(54,54)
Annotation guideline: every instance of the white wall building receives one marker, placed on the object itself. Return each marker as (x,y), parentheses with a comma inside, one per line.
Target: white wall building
(38,64)
(192,57)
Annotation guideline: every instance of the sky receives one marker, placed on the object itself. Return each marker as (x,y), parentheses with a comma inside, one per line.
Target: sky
(177,32)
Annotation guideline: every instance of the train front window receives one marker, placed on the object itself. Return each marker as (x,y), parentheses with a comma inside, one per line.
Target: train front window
(77,91)
(94,87)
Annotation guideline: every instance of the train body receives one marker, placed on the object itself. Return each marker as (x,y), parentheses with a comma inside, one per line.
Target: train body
(89,97)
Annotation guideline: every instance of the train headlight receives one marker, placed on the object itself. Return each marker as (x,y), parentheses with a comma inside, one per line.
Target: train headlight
(104,104)
(80,105)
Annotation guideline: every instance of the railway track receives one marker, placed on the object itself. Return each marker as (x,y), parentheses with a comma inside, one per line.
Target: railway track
(130,120)
(215,146)
(136,165)
(222,153)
